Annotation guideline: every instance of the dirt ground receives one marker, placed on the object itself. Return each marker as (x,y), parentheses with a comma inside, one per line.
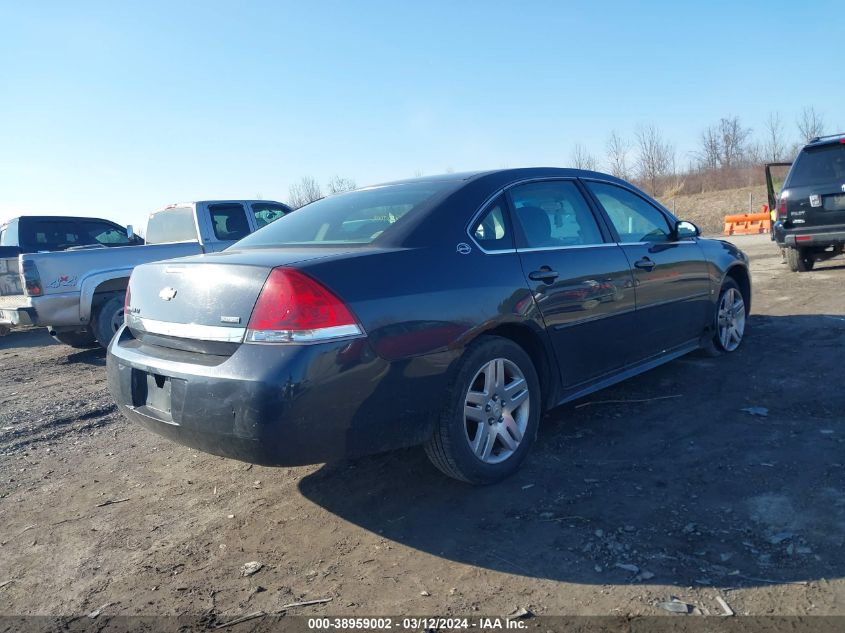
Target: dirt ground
(621,505)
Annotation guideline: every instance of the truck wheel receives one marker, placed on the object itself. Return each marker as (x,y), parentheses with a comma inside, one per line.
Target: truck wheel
(81,339)
(799,259)
(491,413)
(108,320)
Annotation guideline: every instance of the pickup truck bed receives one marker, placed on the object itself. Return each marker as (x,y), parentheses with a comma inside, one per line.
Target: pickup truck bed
(78,293)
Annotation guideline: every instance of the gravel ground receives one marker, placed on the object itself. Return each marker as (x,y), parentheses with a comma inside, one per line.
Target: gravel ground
(621,506)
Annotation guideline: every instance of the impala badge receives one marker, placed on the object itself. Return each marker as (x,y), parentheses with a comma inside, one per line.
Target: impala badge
(166,294)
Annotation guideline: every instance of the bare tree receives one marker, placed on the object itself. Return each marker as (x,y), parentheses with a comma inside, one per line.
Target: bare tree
(734,139)
(810,124)
(774,146)
(724,145)
(656,156)
(338,184)
(617,155)
(710,154)
(582,159)
(305,191)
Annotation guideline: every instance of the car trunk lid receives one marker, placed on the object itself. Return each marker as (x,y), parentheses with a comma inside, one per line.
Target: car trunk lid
(203,303)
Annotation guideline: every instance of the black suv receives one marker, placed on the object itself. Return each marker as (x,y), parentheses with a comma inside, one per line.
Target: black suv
(810,222)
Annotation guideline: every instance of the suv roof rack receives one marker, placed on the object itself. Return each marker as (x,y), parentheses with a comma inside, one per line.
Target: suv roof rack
(824,138)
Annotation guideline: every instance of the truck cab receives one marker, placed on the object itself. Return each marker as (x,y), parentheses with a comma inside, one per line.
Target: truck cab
(78,293)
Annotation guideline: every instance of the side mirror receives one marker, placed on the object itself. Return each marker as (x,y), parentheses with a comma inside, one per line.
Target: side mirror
(130,232)
(686,230)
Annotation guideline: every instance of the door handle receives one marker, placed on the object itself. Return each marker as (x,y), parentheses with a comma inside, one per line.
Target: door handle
(544,274)
(645,264)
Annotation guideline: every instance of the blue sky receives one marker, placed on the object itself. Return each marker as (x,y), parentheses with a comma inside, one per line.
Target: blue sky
(117,108)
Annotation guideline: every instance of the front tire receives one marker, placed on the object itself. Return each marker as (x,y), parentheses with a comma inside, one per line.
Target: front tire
(729,320)
(108,320)
(800,260)
(491,415)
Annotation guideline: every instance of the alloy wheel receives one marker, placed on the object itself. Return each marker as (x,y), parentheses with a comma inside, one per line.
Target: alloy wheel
(731,319)
(496,411)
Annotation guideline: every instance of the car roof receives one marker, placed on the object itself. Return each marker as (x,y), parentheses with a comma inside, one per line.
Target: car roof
(514,173)
(830,139)
(217,201)
(56,217)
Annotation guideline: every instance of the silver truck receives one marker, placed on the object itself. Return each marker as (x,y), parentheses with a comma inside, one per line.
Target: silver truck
(78,294)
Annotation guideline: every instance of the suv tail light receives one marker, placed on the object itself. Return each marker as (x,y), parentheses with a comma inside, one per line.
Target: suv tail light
(294,308)
(782,209)
(32,280)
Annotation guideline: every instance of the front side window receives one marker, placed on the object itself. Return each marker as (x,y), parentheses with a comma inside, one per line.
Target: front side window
(228,221)
(357,217)
(105,234)
(553,214)
(175,224)
(491,231)
(634,219)
(267,212)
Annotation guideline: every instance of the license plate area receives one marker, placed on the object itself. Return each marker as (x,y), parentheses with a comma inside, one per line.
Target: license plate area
(152,394)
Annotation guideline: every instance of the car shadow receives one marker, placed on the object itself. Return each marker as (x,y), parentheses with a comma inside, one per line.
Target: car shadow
(728,472)
(25,338)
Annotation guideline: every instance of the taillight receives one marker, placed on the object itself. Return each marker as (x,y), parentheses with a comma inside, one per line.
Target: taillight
(31,279)
(294,308)
(782,209)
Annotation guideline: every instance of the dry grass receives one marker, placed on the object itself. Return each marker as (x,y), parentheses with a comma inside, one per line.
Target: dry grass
(708,209)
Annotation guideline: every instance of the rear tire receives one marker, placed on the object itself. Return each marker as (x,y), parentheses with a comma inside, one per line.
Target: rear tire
(108,320)
(81,339)
(800,260)
(491,414)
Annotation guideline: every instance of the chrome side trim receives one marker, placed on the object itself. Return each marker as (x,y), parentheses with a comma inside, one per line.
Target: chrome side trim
(195,331)
(566,248)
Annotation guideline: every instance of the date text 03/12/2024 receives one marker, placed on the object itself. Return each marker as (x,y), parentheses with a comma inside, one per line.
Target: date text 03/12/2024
(415,623)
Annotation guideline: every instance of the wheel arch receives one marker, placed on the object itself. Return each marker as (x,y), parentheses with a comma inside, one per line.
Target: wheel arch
(742,277)
(532,342)
(100,284)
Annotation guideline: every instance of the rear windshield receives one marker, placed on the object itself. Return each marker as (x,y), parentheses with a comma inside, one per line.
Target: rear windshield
(356,217)
(819,166)
(175,224)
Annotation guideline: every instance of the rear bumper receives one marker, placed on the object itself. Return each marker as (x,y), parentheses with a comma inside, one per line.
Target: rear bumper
(822,236)
(279,404)
(59,310)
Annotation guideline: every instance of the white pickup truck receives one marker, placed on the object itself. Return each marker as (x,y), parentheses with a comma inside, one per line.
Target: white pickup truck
(78,293)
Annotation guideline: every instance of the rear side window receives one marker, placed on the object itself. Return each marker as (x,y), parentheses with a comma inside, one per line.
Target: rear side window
(491,231)
(356,217)
(553,214)
(819,166)
(171,225)
(267,212)
(228,221)
(634,219)
(50,235)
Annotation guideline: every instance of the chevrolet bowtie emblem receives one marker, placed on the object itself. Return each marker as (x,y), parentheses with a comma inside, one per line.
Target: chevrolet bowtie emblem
(167,294)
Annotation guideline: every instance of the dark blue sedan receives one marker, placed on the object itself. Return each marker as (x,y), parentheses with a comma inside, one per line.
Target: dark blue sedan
(448,312)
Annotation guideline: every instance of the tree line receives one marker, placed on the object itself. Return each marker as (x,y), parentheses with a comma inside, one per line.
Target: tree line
(728,155)
(725,152)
